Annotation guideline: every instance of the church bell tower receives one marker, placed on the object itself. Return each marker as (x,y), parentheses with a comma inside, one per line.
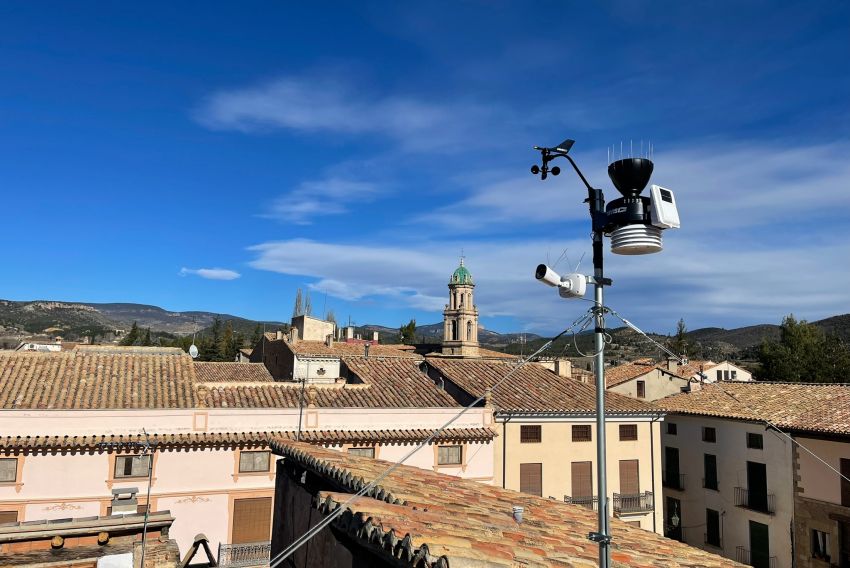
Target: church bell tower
(460,318)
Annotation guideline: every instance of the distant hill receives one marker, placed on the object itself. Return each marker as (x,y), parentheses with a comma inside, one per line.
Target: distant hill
(433,333)
(79,319)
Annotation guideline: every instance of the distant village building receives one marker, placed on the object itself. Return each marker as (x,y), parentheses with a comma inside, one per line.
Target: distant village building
(735,485)
(648,380)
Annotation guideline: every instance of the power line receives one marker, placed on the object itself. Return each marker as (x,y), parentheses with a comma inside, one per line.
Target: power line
(303,539)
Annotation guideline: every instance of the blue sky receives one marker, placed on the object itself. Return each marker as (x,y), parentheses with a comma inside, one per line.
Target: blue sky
(217,156)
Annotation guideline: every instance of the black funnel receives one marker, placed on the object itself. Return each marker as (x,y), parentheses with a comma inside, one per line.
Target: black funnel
(630,175)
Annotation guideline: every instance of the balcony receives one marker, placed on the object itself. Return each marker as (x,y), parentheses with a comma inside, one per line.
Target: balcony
(244,555)
(755,559)
(761,502)
(625,503)
(590,502)
(673,481)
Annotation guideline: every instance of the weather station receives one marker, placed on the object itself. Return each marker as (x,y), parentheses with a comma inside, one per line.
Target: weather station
(634,223)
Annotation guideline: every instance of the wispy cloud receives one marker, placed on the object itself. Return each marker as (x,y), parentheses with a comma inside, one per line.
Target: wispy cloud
(210,273)
(330,196)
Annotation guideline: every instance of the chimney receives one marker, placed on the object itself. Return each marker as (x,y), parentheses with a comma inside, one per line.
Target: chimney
(329,340)
(366,350)
(124,500)
(349,332)
(672,364)
(278,334)
(518,510)
(563,368)
(375,336)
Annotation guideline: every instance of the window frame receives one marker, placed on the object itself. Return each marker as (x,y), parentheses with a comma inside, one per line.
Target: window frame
(123,458)
(628,428)
(441,463)
(672,428)
(14,478)
(751,441)
(581,428)
(243,453)
(641,389)
(526,438)
(825,556)
(705,476)
(540,468)
(708,532)
(709,439)
(356,451)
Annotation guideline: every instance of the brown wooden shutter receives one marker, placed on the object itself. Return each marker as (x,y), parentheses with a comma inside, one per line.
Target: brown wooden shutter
(531,478)
(8,517)
(845,485)
(252,520)
(582,479)
(629,480)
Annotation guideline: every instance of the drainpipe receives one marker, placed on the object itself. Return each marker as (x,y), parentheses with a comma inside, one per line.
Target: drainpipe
(652,465)
(504,449)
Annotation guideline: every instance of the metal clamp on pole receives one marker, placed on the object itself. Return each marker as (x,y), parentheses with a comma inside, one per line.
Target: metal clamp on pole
(599,537)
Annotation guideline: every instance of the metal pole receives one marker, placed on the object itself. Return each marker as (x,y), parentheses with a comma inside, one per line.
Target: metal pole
(149,453)
(604,536)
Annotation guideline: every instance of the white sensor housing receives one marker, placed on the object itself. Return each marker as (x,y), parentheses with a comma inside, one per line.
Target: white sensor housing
(572,286)
(663,209)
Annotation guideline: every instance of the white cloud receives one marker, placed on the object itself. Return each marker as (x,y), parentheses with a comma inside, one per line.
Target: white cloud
(211,273)
(691,279)
(330,196)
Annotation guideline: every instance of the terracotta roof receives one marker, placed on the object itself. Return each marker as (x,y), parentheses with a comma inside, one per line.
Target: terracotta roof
(794,406)
(532,388)
(416,517)
(341,349)
(692,368)
(129,349)
(383,383)
(247,351)
(82,380)
(492,354)
(624,373)
(46,444)
(232,372)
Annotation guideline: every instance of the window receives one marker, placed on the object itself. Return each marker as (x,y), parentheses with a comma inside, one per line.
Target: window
(641,389)
(140,509)
(719,375)
(755,441)
(628,432)
(252,520)
(672,428)
(582,479)
(8,517)
(449,455)
(250,462)
(726,375)
(734,375)
(709,481)
(820,545)
(530,434)
(581,433)
(712,527)
(8,470)
(132,466)
(531,478)
(709,434)
(629,478)
(366,452)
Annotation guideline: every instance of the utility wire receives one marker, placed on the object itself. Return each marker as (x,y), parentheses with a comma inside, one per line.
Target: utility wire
(303,539)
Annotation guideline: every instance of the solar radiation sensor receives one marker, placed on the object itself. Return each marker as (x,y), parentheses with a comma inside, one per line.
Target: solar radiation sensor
(635,222)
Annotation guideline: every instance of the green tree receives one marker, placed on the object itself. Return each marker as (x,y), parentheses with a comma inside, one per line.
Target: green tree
(132,336)
(407,332)
(308,306)
(227,343)
(257,336)
(331,317)
(298,309)
(146,338)
(804,353)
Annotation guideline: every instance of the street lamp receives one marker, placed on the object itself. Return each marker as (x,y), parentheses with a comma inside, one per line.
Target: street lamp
(634,223)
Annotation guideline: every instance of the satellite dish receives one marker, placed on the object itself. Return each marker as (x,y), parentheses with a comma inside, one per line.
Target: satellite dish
(193,351)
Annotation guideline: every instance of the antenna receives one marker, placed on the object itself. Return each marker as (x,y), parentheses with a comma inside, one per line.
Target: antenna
(579,262)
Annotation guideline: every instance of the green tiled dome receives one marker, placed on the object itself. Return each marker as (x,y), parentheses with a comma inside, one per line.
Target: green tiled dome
(461,276)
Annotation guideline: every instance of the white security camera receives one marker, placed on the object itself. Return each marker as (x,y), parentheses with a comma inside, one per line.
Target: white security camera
(571,285)
(547,276)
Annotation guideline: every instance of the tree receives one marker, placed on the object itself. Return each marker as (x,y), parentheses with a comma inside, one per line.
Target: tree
(308,306)
(257,336)
(146,338)
(804,353)
(408,332)
(680,344)
(132,336)
(298,309)
(331,317)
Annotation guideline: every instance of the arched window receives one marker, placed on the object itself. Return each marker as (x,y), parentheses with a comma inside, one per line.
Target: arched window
(454,331)
(469,331)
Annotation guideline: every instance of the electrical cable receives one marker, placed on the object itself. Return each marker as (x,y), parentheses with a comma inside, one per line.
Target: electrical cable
(303,539)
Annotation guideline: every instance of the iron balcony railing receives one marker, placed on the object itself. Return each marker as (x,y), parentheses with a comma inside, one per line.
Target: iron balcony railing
(589,502)
(761,502)
(245,555)
(633,503)
(755,559)
(673,480)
